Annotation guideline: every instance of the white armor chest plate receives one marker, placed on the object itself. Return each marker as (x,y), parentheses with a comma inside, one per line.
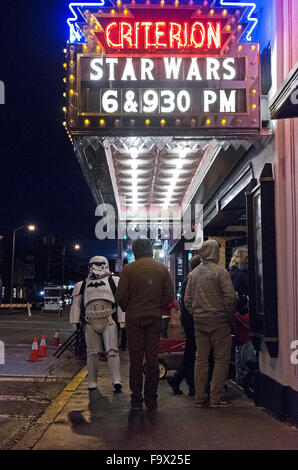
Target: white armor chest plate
(98,289)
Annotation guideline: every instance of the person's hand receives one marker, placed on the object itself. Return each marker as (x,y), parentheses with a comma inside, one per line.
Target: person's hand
(122,324)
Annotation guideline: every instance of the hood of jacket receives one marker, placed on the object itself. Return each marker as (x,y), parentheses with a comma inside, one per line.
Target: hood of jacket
(209,251)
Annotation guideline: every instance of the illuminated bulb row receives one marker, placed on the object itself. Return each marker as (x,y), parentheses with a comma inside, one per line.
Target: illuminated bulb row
(134,177)
(174,180)
(208,121)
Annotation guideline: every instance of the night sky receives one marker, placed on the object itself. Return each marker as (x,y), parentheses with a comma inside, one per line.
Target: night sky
(41,180)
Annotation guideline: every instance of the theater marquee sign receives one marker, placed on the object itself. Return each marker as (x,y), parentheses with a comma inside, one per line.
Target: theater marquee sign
(162,70)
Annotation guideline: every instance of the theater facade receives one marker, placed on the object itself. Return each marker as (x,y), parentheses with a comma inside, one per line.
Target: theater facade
(179,108)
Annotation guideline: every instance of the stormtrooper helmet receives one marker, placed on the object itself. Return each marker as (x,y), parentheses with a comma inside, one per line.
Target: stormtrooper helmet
(98,267)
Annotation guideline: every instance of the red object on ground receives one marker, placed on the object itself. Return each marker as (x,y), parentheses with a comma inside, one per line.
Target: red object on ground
(168,345)
(56,341)
(167,311)
(242,335)
(42,348)
(34,352)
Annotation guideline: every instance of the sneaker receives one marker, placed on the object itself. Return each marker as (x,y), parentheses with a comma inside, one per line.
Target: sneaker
(221,404)
(117,388)
(151,406)
(175,387)
(200,404)
(136,407)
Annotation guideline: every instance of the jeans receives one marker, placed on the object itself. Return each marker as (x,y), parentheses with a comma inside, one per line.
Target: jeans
(244,353)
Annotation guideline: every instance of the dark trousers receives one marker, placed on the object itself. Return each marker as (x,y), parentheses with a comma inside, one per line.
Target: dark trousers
(186,370)
(143,335)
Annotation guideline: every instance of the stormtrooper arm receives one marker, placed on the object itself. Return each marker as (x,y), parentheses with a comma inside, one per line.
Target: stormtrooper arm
(75,309)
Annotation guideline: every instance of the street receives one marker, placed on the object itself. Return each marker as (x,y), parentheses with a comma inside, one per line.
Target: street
(28,388)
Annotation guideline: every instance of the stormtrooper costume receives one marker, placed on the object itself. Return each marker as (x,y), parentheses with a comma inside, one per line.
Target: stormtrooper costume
(99,302)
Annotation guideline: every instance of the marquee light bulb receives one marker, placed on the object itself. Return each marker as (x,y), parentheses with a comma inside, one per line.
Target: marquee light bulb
(65,66)
(71,77)
(224,121)
(183,153)
(125,12)
(102,122)
(64,124)
(87,122)
(224,12)
(208,122)
(163,122)
(254,106)
(113,12)
(134,153)
(64,109)
(147,122)
(71,92)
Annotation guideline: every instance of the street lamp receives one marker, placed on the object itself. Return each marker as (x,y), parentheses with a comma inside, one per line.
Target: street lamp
(31,228)
(76,247)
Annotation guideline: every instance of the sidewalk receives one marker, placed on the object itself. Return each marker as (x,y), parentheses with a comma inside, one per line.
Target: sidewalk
(106,423)
(27,388)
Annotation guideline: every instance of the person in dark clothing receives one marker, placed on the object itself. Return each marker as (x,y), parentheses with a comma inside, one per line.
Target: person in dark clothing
(244,350)
(186,370)
(145,288)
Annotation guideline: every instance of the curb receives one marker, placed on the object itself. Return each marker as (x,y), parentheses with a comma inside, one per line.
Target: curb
(36,431)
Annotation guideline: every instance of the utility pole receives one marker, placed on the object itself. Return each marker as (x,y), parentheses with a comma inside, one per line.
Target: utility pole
(63,264)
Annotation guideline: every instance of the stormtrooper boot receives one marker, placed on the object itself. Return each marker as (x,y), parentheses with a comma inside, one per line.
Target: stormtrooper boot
(114,365)
(92,365)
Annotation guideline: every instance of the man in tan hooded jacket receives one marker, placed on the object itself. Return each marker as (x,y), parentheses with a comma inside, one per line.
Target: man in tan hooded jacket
(211,299)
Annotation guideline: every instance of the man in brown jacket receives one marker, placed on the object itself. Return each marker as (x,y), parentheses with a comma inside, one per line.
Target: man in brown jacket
(144,289)
(211,298)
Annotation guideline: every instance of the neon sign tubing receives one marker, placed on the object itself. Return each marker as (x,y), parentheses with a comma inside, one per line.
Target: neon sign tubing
(250,5)
(75,34)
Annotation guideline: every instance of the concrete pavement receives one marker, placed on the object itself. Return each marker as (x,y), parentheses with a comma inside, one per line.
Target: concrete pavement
(28,388)
(103,421)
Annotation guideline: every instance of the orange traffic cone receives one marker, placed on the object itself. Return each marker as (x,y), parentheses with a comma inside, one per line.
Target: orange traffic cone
(56,341)
(34,352)
(42,348)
